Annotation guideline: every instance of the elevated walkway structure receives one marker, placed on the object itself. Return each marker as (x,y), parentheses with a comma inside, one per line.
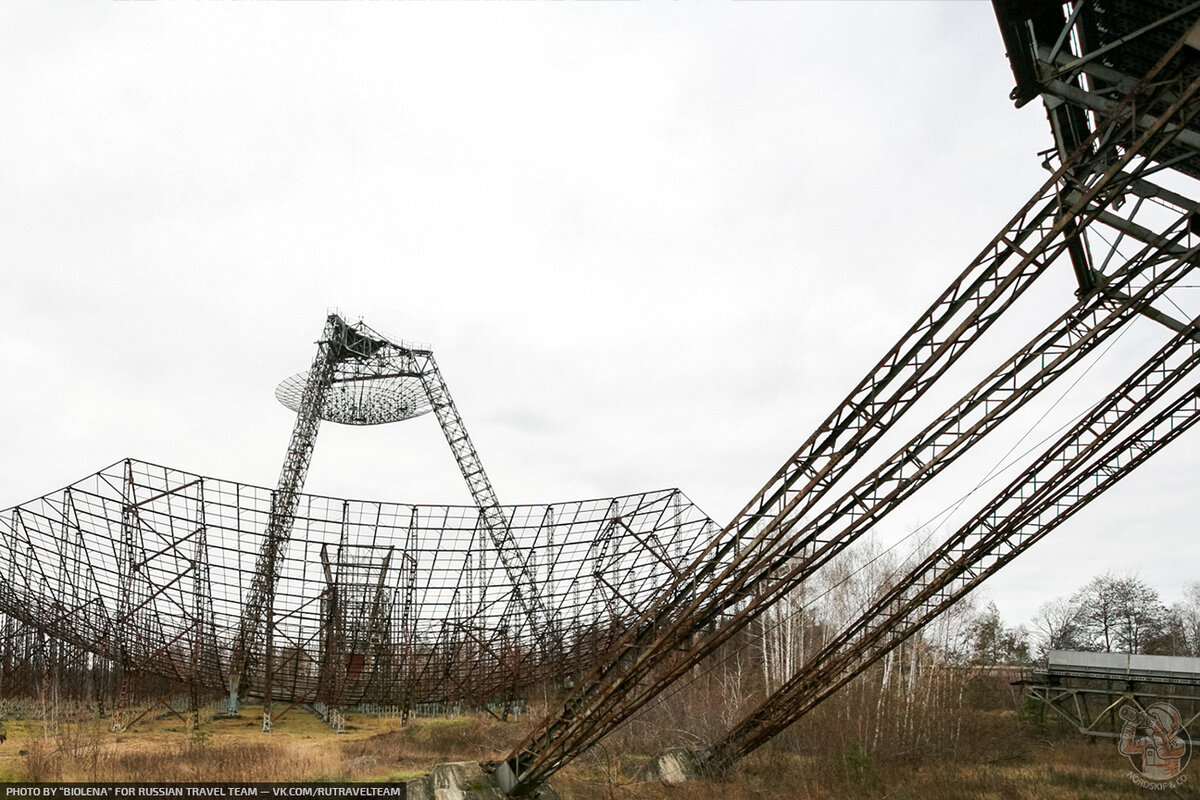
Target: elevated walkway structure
(1176,670)
(1089,690)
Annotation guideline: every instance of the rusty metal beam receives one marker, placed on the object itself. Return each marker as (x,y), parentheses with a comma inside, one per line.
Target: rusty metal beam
(1070,473)
(742,562)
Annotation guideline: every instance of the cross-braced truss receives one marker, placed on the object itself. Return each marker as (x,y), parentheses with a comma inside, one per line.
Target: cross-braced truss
(375,603)
(359,377)
(151,571)
(1099,694)
(1107,211)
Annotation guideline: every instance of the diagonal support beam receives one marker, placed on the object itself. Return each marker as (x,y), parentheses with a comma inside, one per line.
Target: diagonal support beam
(1067,476)
(731,568)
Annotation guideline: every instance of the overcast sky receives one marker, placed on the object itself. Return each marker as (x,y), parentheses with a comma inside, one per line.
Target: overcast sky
(651,245)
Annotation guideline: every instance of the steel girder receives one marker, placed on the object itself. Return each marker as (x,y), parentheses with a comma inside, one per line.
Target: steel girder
(259,611)
(722,589)
(388,361)
(1069,474)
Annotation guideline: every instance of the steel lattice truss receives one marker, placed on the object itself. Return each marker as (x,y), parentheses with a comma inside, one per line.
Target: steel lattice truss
(1129,240)
(309,598)
(1084,463)
(360,377)
(378,603)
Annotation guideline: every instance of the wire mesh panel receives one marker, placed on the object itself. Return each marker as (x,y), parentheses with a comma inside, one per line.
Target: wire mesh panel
(148,568)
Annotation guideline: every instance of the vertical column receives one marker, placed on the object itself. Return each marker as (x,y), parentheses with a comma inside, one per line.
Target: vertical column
(408,582)
(126,564)
(552,649)
(333,649)
(201,595)
(7,642)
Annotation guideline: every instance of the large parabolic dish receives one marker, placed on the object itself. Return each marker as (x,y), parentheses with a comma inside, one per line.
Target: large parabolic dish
(145,574)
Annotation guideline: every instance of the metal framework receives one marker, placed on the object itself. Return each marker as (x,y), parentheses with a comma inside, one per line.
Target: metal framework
(1083,464)
(1088,690)
(160,582)
(147,570)
(784,534)
(336,345)
(299,599)
(361,378)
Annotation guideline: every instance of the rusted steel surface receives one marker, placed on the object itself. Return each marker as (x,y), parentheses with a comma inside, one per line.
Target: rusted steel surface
(767,551)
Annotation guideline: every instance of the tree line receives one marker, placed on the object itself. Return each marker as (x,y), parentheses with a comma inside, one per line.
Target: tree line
(1108,614)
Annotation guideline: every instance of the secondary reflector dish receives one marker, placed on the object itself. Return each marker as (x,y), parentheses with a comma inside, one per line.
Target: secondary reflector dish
(362,394)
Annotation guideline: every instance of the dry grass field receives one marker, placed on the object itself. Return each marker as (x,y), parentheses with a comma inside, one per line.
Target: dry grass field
(1000,756)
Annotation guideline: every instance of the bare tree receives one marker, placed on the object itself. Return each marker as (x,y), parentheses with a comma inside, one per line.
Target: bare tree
(1119,614)
(1189,616)
(1180,635)
(1056,626)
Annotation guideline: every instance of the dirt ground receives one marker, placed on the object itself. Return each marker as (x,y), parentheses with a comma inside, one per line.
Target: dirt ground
(1022,761)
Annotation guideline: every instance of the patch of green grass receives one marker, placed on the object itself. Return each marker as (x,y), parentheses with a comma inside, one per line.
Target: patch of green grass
(402,776)
(10,774)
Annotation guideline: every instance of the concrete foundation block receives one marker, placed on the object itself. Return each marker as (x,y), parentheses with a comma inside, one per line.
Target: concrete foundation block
(464,780)
(672,767)
(418,789)
(461,780)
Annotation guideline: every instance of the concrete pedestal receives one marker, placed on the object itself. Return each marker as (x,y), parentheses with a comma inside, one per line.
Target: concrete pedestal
(464,780)
(673,766)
